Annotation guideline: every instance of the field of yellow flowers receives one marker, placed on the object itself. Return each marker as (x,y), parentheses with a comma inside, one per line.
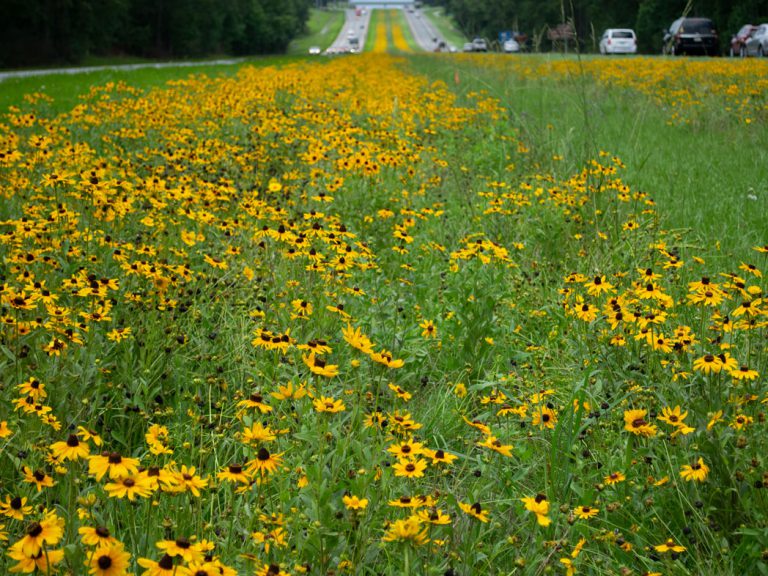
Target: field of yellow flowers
(331,319)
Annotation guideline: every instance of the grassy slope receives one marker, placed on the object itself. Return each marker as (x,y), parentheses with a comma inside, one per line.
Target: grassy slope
(66,88)
(407,32)
(370,41)
(323,28)
(700,179)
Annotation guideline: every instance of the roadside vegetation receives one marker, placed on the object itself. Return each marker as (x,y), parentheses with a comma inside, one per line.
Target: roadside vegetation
(433,314)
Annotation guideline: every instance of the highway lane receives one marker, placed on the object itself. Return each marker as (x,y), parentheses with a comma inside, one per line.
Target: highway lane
(425,34)
(354,26)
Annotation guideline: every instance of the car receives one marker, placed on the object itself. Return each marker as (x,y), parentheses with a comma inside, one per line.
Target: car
(757,43)
(315,50)
(618,41)
(479,45)
(468,47)
(739,39)
(511,46)
(691,36)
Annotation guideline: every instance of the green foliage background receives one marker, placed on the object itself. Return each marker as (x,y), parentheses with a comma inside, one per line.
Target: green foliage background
(591,17)
(65,31)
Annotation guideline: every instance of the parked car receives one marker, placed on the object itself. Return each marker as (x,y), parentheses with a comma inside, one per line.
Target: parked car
(692,36)
(739,39)
(618,41)
(757,43)
(468,47)
(479,45)
(315,50)
(510,46)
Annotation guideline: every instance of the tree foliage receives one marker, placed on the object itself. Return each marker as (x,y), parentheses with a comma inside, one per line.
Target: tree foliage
(590,17)
(65,31)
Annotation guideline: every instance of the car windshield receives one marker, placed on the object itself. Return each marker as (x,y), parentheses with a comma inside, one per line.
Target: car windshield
(623,34)
(698,27)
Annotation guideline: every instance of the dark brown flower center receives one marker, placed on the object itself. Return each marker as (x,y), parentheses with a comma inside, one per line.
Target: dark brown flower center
(34,530)
(104,562)
(263,454)
(183,543)
(72,441)
(102,532)
(115,458)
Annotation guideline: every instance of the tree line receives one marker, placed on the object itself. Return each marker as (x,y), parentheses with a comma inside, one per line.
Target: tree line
(34,32)
(648,18)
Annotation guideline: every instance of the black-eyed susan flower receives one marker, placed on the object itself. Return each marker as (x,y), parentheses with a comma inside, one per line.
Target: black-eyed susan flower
(42,561)
(408,530)
(741,421)
(109,560)
(385,357)
(71,449)
(635,422)
(697,471)
(264,464)
(183,547)
(319,366)
(163,567)
(355,338)
(353,502)
(744,373)
(37,477)
(5,431)
(544,417)
(130,487)
(434,516)
(475,511)
(495,444)
(428,329)
(586,512)
(413,468)
(96,536)
(234,473)
(288,392)
(256,401)
(439,456)
(669,546)
(539,505)
(406,449)
(257,434)
(15,507)
(327,404)
(47,532)
(400,393)
(614,478)
(112,463)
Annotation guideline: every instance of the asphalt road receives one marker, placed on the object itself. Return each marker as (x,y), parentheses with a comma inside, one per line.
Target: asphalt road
(426,35)
(353,26)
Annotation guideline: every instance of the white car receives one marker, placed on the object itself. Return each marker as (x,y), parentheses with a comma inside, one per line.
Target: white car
(618,41)
(511,46)
(757,43)
(315,50)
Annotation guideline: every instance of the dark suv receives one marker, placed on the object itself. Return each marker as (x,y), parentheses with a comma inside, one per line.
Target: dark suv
(692,36)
